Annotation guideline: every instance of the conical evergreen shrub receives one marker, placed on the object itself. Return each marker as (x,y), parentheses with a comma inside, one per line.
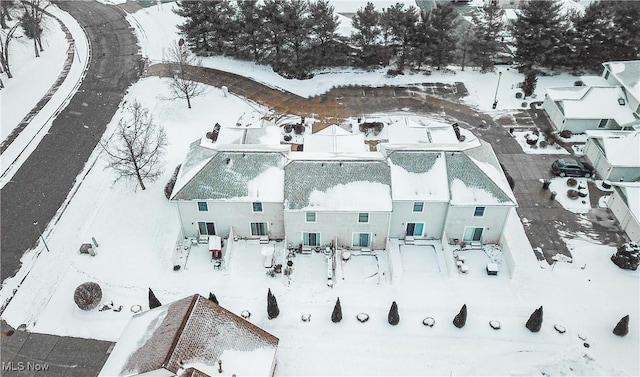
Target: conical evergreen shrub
(393,317)
(213,298)
(534,324)
(461,318)
(336,315)
(622,328)
(153,300)
(272,305)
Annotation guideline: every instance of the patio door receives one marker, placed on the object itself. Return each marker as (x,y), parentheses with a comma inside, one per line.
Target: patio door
(414,229)
(472,234)
(361,239)
(207,229)
(259,229)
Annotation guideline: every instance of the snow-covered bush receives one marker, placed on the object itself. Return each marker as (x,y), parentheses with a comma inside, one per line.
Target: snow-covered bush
(534,324)
(622,328)
(627,256)
(87,295)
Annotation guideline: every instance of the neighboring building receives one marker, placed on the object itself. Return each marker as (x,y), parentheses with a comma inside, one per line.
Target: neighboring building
(427,186)
(334,139)
(611,103)
(624,203)
(187,338)
(614,154)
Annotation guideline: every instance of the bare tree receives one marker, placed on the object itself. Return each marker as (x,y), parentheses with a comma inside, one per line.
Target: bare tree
(137,146)
(32,21)
(5,41)
(183,66)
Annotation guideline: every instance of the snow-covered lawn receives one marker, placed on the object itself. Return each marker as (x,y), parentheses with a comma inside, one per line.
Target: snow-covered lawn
(575,205)
(541,145)
(137,233)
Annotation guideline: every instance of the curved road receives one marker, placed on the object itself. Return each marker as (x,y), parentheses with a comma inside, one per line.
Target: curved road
(40,186)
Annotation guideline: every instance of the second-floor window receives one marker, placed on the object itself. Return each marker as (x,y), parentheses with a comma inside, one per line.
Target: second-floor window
(418,206)
(202,206)
(257,206)
(478,212)
(311,217)
(363,217)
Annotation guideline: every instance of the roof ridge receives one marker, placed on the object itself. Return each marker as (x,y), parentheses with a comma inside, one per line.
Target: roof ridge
(179,332)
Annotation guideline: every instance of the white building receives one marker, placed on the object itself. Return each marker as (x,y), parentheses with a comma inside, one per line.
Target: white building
(625,206)
(614,154)
(434,188)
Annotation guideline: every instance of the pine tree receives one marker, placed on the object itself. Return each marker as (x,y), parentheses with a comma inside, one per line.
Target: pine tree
(461,318)
(272,14)
(421,41)
(366,22)
(296,35)
(622,328)
(538,32)
(487,25)
(443,22)
(251,36)
(529,83)
(393,317)
(323,23)
(195,28)
(534,324)
(336,315)
(401,25)
(272,305)
(153,300)
(213,298)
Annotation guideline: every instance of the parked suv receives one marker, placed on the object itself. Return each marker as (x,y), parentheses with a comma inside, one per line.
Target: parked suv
(572,168)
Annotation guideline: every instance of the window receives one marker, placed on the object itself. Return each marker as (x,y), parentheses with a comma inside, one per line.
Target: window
(472,234)
(414,229)
(311,239)
(361,239)
(257,206)
(207,229)
(202,206)
(418,206)
(603,123)
(363,217)
(311,217)
(258,229)
(478,212)
(606,74)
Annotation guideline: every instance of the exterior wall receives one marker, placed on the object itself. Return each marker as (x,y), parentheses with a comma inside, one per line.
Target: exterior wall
(337,224)
(493,222)
(604,168)
(225,214)
(621,212)
(581,125)
(624,174)
(433,216)
(555,115)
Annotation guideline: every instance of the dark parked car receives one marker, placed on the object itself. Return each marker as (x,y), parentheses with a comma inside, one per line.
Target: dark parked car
(572,168)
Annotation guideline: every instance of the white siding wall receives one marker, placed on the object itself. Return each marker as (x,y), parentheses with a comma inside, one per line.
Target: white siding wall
(621,212)
(581,125)
(337,224)
(433,217)
(626,174)
(493,221)
(227,214)
(596,157)
(555,115)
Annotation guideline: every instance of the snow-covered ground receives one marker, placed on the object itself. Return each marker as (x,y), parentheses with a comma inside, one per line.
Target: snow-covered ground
(541,145)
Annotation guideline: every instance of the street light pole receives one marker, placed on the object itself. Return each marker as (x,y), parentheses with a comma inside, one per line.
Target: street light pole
(35,223)
(495,98)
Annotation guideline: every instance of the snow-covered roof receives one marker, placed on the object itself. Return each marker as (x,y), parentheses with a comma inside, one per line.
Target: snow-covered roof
(621,148)
(232,175)
(418,175)
(628,74)
(192,333)
(269,135)
(334,185)
(410,131)
(631,191)
(334,139)
(592,103)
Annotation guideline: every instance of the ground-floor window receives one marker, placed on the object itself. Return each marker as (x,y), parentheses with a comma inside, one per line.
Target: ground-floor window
(414,229)
(208,229)
(473,234)
(258,229)
(311,239)
(361,239)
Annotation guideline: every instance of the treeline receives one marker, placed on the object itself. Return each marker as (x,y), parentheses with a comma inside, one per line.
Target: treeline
(297,36)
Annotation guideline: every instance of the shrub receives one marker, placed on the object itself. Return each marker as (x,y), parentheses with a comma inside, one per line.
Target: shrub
(153,300)
(461,318)
(87,295)
(288,137)
(578,83)
(168,188)
(336,315)
(566,134)
(272,306)
(213,298)
(622,328)
(518,95)
(512,183)
(534,324)
(298,129)
(572,182)
(393,317)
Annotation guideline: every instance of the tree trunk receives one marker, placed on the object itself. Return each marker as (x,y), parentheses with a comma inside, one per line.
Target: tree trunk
(3,21)
(188,100)
(140,181)
(35,48)
(39,40)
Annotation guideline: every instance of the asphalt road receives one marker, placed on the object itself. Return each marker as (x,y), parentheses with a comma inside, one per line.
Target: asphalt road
(40,186)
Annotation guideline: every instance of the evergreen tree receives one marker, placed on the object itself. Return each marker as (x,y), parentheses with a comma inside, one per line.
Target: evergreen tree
(534,324)
(336,315)
(153,300)
(366,22)
(251,37)
(272,15)
(421,41)
(296,35)
(213,298)
(195,28)
(467,38)
(622,328)
(323,23)
(393,317)
(529,83)
(401,26)
(443,22)
(272,305)
(487,25)
(461,318)
(538,33)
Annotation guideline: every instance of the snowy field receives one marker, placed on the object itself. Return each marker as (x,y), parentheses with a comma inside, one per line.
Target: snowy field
(137,232)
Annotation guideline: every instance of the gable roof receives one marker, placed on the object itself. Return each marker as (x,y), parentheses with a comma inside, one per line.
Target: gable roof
(418,175)
(191,333)
(340,185)
(621,148)
(334,139)
(631,196)
(627,73)
(231,175)
(594,102)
